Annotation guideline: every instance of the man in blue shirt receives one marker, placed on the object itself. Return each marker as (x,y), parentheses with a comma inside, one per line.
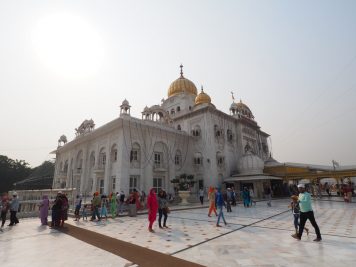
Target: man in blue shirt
(220,203)
(306,212)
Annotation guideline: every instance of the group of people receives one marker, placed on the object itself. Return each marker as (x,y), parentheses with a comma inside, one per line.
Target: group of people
(302,211)
(59,210)
(157,203)
(11,204)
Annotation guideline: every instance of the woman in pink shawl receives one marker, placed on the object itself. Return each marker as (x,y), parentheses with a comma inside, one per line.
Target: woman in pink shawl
(152,206)
(44,210)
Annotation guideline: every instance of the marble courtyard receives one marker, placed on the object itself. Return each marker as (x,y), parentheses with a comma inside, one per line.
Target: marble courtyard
(257,236)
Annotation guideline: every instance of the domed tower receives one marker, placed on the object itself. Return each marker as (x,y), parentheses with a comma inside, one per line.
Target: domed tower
(125,108)
(241,110)
(181,96)
(202,99)
(182,85)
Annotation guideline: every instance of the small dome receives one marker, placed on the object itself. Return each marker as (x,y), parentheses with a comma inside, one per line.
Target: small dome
(241,105)
(182,85)
(250,164)
(125,103)
(202,98)
(244,110)
(271,161)
(146,109)
(234,106)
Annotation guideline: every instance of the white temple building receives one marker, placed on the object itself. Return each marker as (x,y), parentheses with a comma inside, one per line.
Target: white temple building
(186,134)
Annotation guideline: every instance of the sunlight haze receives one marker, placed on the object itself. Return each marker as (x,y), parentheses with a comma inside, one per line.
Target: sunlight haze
(292,62)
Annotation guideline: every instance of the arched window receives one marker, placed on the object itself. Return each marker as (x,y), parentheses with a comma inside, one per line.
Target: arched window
(198,159)
(113,153)
(178,158)
(135,155)
(229,135)
(102,158)
(65,168)
(172,111)
(79,162)
(196,131)
(179,127)
(220,159)
(92,159)
(217,130)
(60,167)
(178,108)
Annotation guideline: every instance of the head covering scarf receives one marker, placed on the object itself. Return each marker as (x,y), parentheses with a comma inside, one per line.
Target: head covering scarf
(152,205)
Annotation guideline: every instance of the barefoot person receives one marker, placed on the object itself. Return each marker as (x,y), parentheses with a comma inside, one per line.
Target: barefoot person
(220,203)
(306,212)
(294,205)
(44,205)
(211,197)
(152,206)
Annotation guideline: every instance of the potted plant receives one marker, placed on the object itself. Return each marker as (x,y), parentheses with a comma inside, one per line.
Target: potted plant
(183,183)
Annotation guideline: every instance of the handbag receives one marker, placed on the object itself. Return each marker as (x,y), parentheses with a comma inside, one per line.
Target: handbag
(167,210)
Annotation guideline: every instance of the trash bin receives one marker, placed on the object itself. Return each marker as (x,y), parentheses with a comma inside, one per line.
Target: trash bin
(132,210)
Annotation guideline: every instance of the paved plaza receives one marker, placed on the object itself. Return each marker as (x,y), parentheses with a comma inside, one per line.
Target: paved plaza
(256,236)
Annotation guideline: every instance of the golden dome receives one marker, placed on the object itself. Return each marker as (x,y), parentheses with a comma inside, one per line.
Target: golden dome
(182,85)
(241,105)
(202,98)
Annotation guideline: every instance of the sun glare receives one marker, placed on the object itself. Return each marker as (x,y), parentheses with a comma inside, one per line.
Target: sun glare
(68,45)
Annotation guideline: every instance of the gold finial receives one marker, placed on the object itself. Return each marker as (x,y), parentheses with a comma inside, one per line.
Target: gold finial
(181,70)
(202,89)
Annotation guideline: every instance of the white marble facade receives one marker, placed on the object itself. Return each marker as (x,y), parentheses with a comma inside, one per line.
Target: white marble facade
(185,134)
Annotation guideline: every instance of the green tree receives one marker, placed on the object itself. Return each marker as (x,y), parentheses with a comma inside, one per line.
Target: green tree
(12,171)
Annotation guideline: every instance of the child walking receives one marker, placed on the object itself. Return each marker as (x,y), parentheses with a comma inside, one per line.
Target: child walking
(84,212)
(294,205)
(104,208)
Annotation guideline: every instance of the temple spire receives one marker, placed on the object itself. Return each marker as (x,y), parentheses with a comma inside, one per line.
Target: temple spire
(232,95)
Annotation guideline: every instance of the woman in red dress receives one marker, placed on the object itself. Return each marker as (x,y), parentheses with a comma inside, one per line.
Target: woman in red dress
(152,206)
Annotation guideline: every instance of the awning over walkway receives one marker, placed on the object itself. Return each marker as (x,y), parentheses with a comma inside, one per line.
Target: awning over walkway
(243,178)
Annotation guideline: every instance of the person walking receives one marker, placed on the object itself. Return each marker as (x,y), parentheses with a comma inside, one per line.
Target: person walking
(56,210)
(233,196)
(96,203)
(212,199)
(306,212)
(113,206)
(5,206)
(267,192)
(78,205)
(246,197)
(348,192)
(220,204)
(122,202)
(152,206)
(201,196)
(162,208)
(137,197)
(327,188)
(44,205)
(64,209)
(14,207)
(294,205)
(252,196)
(228,200)
(104,207)
(84,212)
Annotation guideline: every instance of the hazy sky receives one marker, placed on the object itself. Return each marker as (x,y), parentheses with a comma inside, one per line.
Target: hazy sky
(292,62)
